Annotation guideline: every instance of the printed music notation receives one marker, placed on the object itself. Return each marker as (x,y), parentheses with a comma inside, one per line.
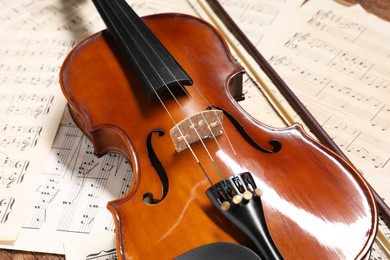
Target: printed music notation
(335,59)
(362,33)
(6,204)
(377,253)
(70,199)
(35,15)
(13,170)
(338,67)
(31,107)
(103,255)
(97,247)
(79,17)
(345,62)
(336,62)
(359,103)
(335,74)
(259,15)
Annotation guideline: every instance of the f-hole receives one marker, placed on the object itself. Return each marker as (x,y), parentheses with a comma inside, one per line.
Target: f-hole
(276,144)
(148,197)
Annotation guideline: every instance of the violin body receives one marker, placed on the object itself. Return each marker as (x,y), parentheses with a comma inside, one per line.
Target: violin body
(316,205)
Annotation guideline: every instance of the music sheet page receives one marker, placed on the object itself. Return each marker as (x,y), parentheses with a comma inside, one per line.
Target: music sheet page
(68,193)
(58,190)
(335,59)
(31,106)
(54,188)
(259,17)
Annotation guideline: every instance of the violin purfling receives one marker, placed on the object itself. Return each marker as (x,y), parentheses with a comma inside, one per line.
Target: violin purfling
(209,179)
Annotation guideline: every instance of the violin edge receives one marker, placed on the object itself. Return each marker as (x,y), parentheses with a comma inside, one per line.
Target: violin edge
(363,184)
(113,202)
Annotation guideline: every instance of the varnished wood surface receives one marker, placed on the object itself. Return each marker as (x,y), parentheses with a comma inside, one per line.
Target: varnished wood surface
(381,8)
(18,255)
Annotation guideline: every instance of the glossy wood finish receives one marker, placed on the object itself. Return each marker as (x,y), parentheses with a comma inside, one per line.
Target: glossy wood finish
(377,7)
(316,204)
(309,120)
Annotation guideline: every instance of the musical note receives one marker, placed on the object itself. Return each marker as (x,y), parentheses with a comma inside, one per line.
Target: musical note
(26,105)
(336,62)
(97,247)
(75,189)
(365,154)
(103,255)
(381,118)
(350,64)
(330,91)
(40,15)
(73,180)
(12,170)
(31,107)
(88,187)
(335,24)
(253,14)
(377,81)
(6,207)
(75,186)
(19,136)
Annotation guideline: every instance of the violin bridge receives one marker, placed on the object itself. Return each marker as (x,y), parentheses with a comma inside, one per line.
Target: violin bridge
(205,124)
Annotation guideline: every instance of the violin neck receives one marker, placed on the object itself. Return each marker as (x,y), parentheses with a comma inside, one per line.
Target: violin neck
(148,58)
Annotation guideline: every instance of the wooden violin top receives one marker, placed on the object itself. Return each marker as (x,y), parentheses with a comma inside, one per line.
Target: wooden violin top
(316,205)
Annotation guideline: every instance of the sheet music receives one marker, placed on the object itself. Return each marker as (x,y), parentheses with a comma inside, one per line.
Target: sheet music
(261,17)
(64,207)
(336,60)
(347,92)
(344,80)
(71,192)
(99,247)
(69,202)
(31,106)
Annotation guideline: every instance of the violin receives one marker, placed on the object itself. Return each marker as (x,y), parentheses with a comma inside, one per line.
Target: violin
(210,181)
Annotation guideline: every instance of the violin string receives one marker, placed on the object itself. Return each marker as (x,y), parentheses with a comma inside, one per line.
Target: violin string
(169,114)
(172,119)
(192,124)
(219,121)
(281,111)
(208,125)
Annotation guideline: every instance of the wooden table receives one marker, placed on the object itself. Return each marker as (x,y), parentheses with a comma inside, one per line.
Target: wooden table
(381,8)
(17,255)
